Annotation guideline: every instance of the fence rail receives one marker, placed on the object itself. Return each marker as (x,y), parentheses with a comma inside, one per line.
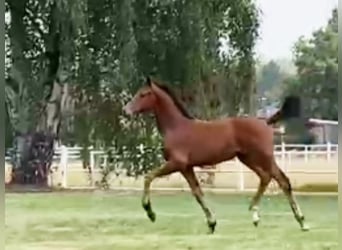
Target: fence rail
(288,156)
(300,149)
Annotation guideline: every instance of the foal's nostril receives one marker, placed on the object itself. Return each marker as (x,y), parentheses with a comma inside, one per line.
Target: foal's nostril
(127,109)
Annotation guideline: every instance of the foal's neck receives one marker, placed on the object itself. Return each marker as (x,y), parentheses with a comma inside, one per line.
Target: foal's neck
(168,117)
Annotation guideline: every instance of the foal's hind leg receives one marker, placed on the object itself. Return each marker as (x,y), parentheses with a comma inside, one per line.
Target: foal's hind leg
(285,185)
(192,180)
(265,179)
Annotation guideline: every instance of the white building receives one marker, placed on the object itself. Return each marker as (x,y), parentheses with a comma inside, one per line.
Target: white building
(324,130)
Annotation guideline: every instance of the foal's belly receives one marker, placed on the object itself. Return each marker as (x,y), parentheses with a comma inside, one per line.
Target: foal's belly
(211,154)
(205,143)
(211,161)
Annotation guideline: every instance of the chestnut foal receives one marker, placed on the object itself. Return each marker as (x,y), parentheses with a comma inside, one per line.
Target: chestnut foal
(189,142)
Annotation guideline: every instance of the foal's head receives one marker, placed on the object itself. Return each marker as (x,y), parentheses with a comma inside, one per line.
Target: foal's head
(143,101)
(152,95)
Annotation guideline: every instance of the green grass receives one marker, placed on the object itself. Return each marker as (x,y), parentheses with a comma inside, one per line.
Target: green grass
(112,221)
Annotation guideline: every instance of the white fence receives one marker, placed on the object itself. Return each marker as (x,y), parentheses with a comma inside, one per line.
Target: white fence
(290,157)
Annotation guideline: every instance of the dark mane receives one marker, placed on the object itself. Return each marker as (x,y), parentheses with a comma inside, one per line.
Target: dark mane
(176,101)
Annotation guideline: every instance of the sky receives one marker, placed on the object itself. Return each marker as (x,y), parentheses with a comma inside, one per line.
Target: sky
(284,21)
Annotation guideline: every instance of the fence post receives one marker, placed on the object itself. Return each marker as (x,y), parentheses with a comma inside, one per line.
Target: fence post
(242,177)
(92,164)
(283,155)
(64,165)
(306,153)
(328,151)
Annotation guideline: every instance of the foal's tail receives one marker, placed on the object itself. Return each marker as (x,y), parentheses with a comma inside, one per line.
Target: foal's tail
(291,108)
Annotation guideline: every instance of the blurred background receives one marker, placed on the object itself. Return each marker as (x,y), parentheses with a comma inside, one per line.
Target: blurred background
(71,65)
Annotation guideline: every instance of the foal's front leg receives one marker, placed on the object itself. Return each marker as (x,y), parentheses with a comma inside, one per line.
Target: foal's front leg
(166,169)
(191,178)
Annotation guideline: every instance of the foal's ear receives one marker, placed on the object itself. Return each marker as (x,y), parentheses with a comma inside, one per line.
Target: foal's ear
(148,80)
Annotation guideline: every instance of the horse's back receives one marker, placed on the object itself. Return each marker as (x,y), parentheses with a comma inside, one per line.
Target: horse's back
(236,127)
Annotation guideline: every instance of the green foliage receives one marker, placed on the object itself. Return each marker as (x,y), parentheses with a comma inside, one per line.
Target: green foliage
(317,71)
(270,81)
(270,76)
(102,50)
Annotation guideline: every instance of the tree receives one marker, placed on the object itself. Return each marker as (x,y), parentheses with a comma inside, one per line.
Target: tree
(317,71)
(41,48)
(269,80)
(72,64)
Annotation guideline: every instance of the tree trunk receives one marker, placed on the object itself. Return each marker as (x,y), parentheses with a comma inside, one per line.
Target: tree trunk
(35,138)
(19,75)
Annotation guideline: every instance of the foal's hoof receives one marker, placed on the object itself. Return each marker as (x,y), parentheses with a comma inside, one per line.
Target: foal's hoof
(152,216)
(212,226)
(256,223)
(305,228)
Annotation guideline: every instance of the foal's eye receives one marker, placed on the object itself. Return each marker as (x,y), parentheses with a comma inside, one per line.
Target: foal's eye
(144,94)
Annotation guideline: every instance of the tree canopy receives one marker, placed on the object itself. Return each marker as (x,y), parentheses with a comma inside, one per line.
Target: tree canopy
(316,59)
(70,65)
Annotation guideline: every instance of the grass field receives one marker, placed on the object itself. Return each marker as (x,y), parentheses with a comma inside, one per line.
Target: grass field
(112,221)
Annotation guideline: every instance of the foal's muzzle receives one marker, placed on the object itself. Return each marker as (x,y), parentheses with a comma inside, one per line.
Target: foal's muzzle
(128,109)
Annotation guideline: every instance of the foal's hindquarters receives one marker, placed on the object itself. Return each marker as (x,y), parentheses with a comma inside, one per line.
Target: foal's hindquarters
(259,157)
(267,169)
